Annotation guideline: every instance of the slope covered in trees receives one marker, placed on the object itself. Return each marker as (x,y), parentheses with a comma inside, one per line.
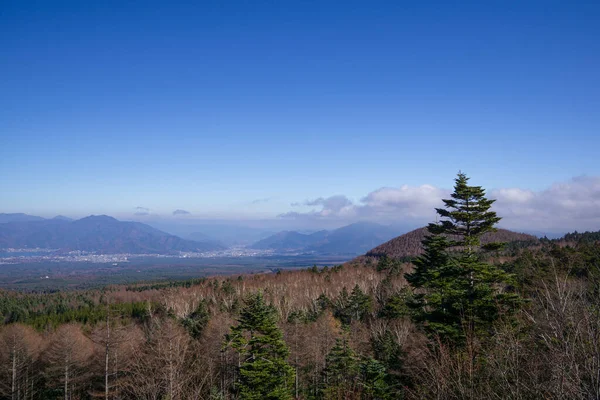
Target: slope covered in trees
(458,325)
(348,329)
(410,244)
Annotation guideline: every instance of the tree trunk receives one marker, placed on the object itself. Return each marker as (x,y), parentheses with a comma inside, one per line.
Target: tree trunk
(115,372)
(106,373)
(67,377)
(14,372)
(171,373)
(106,355)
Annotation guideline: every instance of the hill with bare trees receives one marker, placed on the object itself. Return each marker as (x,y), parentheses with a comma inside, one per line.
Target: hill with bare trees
(348,329)
(409,244)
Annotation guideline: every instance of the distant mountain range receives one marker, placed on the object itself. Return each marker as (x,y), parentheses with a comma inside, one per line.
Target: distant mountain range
(18,217)
(227,233)
(107,235)
(100,234)
(289,240)
(203,238)
(352,239)
(409,244)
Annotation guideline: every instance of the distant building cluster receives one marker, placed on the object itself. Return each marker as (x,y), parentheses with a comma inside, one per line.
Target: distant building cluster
(18,256)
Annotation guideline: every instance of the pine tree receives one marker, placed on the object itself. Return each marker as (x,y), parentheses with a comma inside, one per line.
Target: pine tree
(389,355)
(455,290)
(264,371)
(342,371)
(359,304)
(197,321)
(374,381)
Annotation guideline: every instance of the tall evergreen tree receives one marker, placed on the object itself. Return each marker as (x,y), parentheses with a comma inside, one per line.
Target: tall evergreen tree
(342,371)
(375,381)
(264,371)
(359,304)
(455,290)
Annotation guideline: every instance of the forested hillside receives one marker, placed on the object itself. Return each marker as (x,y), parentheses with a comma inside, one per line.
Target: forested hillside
(347,330)
(450,324)
(411,244)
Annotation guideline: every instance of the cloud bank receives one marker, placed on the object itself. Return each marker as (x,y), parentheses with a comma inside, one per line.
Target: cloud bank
(141,211)
(565,206)
(181,212)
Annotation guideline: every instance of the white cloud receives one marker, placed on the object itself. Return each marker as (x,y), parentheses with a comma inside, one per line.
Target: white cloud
(141,211)
(337,206)
(565,206)
(413,202)
(514,195)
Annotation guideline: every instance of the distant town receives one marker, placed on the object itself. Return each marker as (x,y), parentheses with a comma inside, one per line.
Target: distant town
(17,256)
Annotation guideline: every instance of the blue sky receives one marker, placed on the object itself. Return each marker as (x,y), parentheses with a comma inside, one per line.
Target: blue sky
(238,109)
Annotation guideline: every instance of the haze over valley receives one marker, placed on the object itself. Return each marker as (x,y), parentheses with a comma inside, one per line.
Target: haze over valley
(46,254)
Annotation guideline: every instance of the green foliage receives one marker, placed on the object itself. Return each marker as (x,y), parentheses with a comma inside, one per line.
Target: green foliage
(337,268)
(355,306)
(395,306)
(467,216)
(391,265)
(387,350)
(375,381)
(346,374)
(216,394)
(579,260)
(197,321)
(390,355)
(585,237)
(360,304)
(43,311)
(341,372)
(455,291)
(264,372)
(165,285)
(311,315)
(227,287)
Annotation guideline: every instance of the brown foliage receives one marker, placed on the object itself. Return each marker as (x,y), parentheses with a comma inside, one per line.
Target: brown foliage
(67,359)
(410,244)
(21,347)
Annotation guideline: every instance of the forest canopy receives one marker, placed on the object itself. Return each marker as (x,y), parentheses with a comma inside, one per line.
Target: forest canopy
(465,318)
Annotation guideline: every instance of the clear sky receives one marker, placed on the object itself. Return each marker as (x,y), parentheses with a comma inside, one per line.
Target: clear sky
(235,109)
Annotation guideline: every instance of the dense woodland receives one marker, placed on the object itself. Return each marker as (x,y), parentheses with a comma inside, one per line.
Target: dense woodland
(464,320)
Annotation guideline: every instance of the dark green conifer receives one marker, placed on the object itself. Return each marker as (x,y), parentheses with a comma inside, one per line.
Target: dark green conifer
(374,381)
(455,290)
(264,371)
(197,321)
(342,371)
(360,304)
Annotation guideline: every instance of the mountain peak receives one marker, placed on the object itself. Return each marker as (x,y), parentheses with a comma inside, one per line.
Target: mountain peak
(350,239)
(18,217)
(98,218)
(98,233)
